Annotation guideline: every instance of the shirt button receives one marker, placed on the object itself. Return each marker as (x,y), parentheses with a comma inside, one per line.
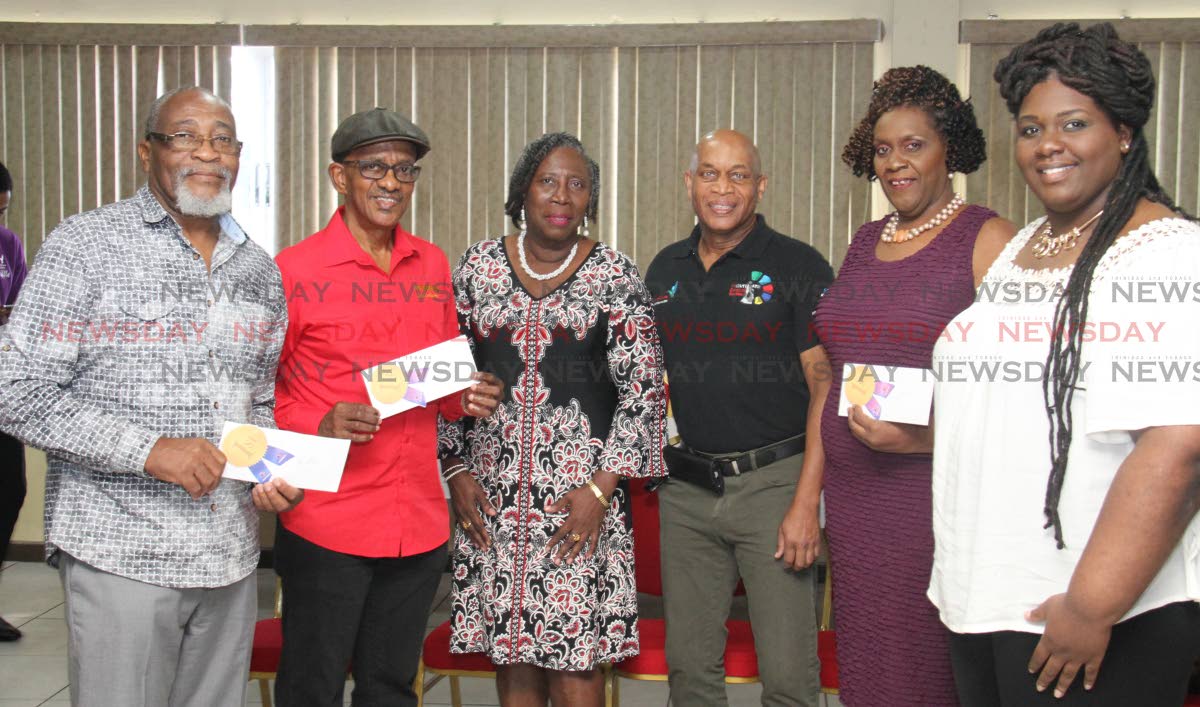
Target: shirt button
(216,404)
(209,303)
(7,347)
(210,353)
(213,508)
(195,256)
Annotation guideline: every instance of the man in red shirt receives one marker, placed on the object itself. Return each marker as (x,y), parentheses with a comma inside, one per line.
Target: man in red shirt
(360,567)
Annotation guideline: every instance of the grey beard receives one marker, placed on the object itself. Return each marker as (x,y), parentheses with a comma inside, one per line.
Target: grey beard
(191,205)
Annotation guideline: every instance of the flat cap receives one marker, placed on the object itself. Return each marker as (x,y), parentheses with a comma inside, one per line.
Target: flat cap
(376,125)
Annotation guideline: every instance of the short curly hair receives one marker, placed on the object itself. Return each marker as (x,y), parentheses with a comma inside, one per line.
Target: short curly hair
(528,163)
(924,88)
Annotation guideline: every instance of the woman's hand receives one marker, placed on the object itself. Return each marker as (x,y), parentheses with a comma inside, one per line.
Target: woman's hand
(799,535)
(891,437)
(469,501)
(484,395)
(584,521)
(1072,640)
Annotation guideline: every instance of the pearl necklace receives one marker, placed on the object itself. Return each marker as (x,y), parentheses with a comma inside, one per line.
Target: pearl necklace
(889,229)
(550,275)
(1049,245)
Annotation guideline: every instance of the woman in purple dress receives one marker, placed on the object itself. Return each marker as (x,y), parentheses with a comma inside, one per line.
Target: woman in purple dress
(904,278)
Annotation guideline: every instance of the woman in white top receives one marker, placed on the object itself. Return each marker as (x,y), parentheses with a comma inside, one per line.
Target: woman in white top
(1067,455)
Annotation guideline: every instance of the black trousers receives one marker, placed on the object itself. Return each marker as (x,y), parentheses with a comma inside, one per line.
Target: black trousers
(12,488)
(1149,660)
(343,610)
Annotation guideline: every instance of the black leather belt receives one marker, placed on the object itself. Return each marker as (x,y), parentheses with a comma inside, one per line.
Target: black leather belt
(738,464)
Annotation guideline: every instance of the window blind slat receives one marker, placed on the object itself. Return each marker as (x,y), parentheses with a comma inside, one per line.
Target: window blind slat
(319,126)
(106,97)
(776,109)
(35,140)
(1166,147)
(14,125)
(483,152)
(1188,194)
(50,148)
(620,196)
(824,151)
(842,178)
(72,163)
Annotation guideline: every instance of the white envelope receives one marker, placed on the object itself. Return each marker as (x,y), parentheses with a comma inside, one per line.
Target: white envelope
(304,461)
(419,378)
(889,393)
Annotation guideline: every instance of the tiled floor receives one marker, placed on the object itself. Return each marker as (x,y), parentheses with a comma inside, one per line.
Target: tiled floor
(33,671)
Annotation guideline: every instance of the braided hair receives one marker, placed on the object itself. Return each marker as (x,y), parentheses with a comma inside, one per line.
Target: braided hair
(527,165)
(1119,78)
(924,88)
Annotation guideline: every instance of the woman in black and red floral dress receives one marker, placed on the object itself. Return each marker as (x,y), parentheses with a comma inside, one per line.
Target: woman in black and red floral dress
(543,570)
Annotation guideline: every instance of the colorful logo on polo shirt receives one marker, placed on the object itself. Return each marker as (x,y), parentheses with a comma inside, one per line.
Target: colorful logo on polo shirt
(864,390)
(760,289)
(246,446)
(666,296)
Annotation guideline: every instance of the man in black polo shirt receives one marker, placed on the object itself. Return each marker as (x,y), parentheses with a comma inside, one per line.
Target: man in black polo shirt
(733,303)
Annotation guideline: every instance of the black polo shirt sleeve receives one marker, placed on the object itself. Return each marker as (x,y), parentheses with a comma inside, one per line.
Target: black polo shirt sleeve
(732,337)
(816,276)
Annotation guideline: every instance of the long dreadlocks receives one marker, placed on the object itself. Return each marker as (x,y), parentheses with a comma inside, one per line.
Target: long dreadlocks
(1118,77)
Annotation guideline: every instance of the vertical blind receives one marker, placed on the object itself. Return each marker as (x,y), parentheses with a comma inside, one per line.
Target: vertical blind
(639,97)
(74,101)
(1173,47)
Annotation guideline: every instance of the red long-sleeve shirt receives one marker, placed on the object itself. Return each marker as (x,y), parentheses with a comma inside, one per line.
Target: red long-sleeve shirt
(346,314)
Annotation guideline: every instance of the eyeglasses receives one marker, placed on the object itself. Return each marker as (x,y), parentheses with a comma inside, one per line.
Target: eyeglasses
(188,142)
(374,170)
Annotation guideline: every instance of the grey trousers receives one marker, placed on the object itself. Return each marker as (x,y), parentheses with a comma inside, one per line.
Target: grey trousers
(132,644)
(707,543)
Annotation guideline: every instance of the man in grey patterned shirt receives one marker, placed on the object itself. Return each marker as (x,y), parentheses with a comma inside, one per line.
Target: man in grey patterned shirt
(143,326)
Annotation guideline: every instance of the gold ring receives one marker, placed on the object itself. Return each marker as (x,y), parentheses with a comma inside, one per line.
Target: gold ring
(466,525)
(576,537)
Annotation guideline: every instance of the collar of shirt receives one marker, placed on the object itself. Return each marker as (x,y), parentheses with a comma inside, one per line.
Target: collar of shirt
(752,246)
(340,246)
(231,234)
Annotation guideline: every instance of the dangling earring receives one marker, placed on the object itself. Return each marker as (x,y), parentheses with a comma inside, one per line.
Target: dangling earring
(521,221)
(951,176)
(1124,147)
(584,229)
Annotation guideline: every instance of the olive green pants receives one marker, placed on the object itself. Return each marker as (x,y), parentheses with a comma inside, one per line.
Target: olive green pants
(707,543)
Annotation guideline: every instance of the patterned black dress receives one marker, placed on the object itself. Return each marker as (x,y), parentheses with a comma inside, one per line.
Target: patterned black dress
(582,368)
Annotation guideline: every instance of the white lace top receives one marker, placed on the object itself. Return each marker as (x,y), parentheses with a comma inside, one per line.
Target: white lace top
(1140,368)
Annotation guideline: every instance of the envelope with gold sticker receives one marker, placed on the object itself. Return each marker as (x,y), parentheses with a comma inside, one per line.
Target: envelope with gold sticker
(888,393)
(259,454)
(419,378)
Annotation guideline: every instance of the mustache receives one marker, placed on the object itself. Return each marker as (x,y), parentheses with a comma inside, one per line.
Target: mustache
(186,172)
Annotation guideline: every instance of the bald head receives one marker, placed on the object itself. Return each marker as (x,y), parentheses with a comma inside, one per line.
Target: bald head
(156,108)
(731,139)
(725,183)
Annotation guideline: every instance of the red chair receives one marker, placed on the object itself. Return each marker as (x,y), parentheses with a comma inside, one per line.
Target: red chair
(436,658)
(741,661)
(267,647)
(827,641)
(268,644)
